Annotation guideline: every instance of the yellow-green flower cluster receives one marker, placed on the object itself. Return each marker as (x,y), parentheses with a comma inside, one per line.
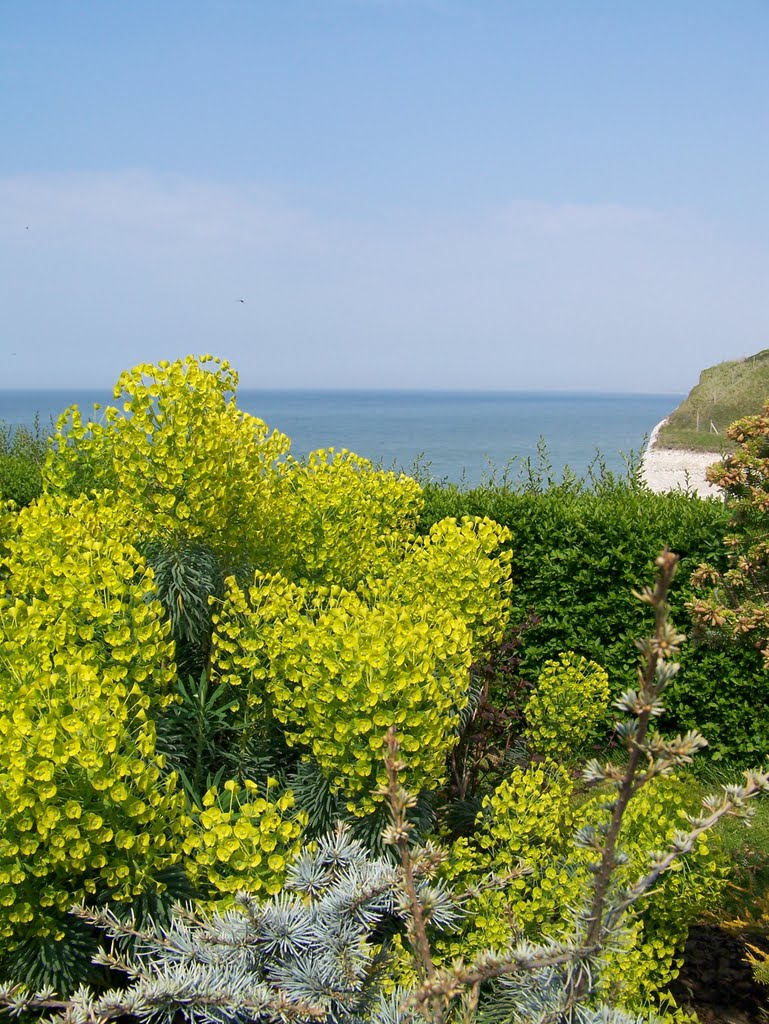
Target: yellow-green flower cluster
(352,624)
(255,633)
(178,459)
(8,522)
(361,669)
(341,519)
(338,667)
(78,589)
(84,661)
(240,839)
(567,705)
(531,819)
(528,821)
(460,567)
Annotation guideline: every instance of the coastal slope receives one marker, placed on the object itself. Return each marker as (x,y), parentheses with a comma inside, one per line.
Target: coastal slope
(724,393)
(692,437)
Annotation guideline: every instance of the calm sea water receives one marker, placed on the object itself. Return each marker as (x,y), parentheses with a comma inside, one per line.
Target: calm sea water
(454,436)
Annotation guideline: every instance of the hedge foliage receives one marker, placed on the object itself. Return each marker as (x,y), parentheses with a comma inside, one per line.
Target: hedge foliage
(22,455)
(579,552)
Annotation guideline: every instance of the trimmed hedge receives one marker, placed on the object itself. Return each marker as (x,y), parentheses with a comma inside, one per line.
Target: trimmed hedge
(579,552)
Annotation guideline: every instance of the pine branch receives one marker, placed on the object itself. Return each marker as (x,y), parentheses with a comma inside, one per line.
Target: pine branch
(397,834)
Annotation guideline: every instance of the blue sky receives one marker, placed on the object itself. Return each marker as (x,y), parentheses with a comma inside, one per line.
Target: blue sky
(405,193)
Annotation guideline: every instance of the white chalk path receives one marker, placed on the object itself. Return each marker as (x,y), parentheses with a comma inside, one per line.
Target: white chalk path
(667,469)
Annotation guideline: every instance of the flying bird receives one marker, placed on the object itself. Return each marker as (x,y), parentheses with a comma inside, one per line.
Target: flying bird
(240,300)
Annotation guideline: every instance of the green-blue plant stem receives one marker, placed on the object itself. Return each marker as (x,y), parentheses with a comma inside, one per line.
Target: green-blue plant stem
(630,782)
(398,834)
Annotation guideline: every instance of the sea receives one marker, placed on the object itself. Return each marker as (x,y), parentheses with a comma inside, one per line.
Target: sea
(461,437)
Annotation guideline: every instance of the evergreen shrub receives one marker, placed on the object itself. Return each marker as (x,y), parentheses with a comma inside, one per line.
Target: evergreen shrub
(732,606)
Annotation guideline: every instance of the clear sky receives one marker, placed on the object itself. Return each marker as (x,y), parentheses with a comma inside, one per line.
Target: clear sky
(404,193)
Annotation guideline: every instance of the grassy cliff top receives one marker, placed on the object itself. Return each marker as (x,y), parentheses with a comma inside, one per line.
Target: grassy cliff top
(725,393)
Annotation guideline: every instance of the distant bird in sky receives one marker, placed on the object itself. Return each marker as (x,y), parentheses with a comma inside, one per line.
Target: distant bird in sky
(240,300)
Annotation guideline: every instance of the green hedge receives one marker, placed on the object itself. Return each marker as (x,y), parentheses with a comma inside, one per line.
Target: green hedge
(579,552)
(22,454)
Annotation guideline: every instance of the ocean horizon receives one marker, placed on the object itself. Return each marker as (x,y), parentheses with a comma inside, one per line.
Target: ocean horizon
(459,436)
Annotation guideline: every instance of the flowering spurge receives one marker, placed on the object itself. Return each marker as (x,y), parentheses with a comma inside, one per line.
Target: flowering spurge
(335,667)
(316,951)
(186,468)
(319,949)
(85,667)
(176,458)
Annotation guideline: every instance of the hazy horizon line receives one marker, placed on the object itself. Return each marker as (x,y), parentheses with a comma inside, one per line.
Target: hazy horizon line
(98,389)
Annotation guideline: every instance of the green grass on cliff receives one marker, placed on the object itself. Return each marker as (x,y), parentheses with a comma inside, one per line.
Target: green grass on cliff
(725,393)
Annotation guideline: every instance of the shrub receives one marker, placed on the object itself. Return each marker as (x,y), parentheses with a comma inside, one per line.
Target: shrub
(241,839)
(529,821)
(491,725)
(735,605)
(323,947)
(566,707)
(22,454)
(205,490)
(303,657)
(88,808)
(718,690)
(578,552)
(336,667)
(341,519)
(155,501)
(85,663)
(179,461)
